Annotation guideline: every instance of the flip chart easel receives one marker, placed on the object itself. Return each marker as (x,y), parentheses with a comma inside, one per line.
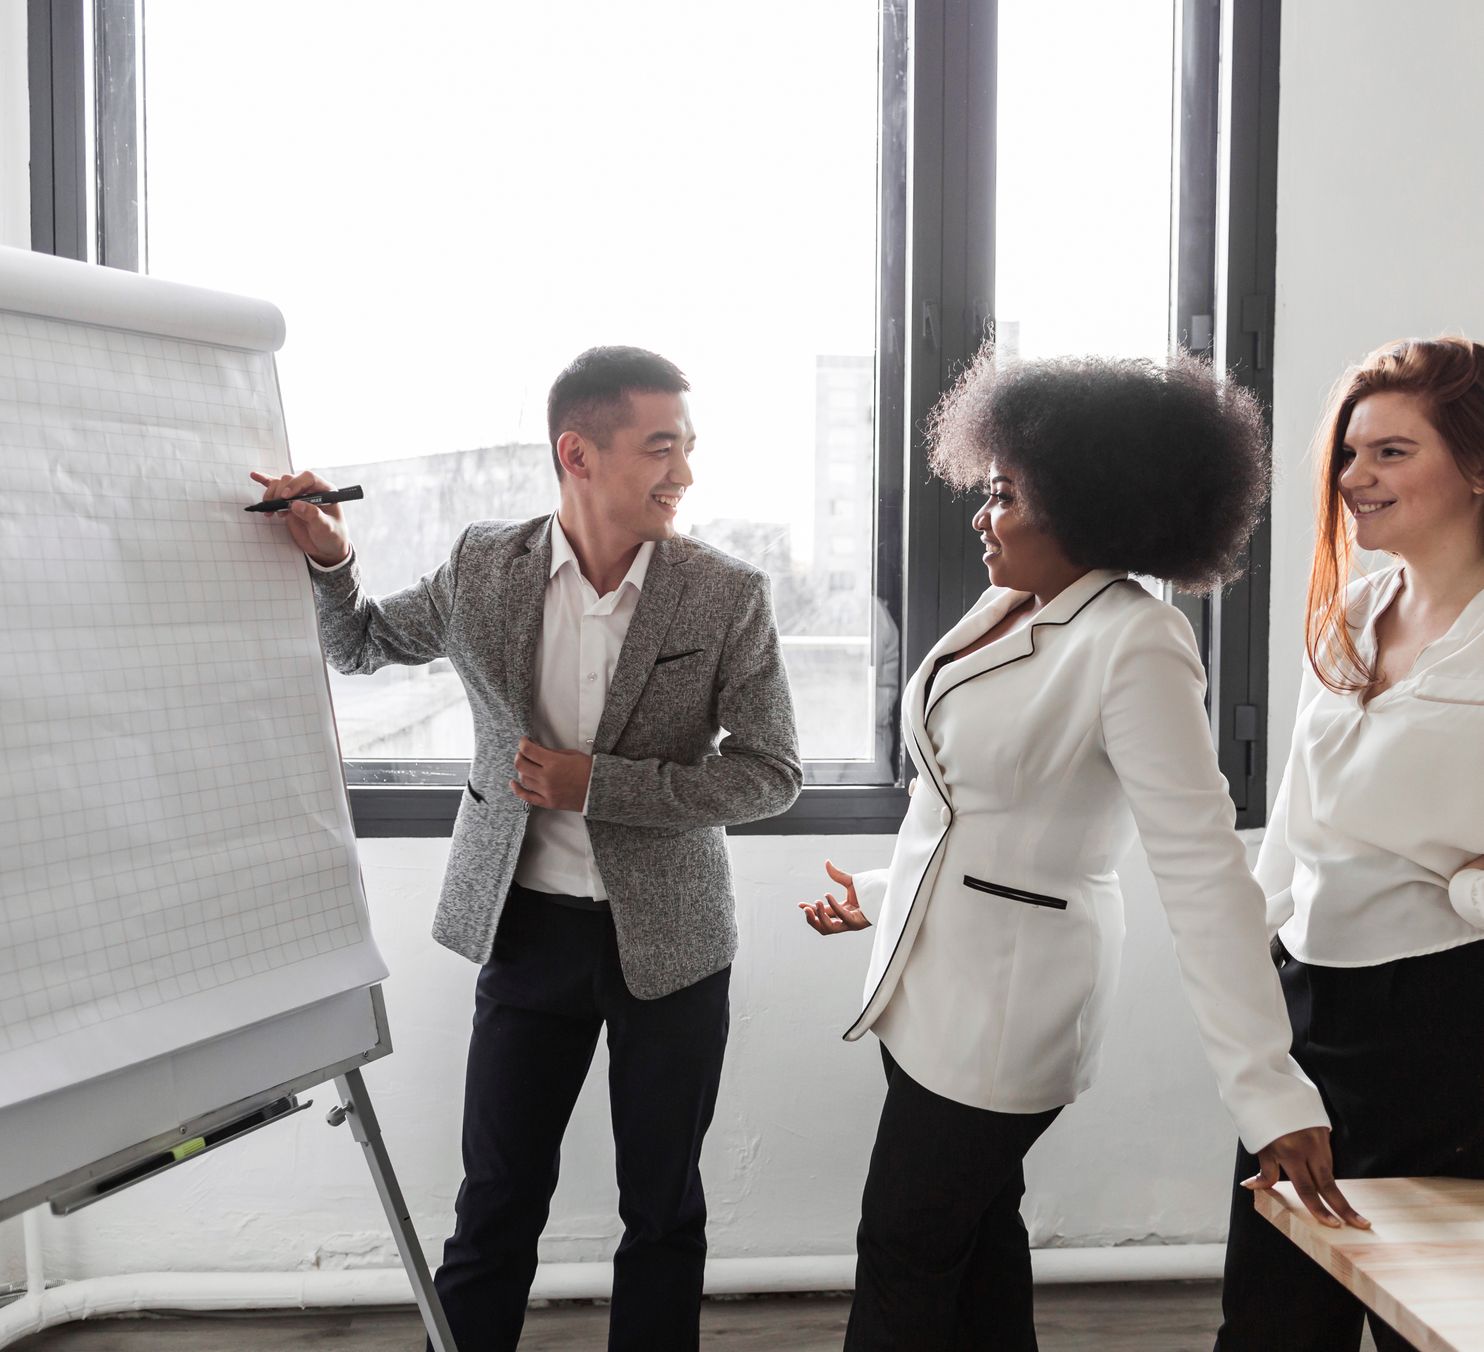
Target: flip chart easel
(161,1094)
(185,946)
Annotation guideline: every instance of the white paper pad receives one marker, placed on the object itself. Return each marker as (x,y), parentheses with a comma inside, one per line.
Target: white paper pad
(176,851)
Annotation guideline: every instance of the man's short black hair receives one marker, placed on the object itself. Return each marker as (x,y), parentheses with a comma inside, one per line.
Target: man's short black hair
(1159,469)
(592,395)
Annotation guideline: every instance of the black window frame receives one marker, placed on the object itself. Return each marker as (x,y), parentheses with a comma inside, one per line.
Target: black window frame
(936,253)
(1224,275)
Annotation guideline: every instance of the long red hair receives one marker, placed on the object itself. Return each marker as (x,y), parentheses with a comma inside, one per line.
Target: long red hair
(1447,375)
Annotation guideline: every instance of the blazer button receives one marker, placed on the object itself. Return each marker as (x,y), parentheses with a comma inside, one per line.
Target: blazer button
(912,786)
(945,816)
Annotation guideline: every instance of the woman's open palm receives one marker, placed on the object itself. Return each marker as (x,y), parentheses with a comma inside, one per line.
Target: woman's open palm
(829,916)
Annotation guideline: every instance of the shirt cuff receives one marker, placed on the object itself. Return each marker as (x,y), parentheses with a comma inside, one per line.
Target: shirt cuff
(331,567)
(1466,892)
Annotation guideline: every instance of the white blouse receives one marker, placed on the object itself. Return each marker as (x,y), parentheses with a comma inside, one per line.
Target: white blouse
(1382,803)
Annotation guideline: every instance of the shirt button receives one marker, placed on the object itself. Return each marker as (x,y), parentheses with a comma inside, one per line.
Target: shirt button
(589,741)
(912,786)
(945,816)
(592,675)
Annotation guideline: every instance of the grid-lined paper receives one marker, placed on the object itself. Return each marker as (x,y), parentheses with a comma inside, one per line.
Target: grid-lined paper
(176,852)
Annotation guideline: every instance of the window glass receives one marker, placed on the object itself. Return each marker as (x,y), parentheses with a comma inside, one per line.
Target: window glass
(1082,218)
(449,202)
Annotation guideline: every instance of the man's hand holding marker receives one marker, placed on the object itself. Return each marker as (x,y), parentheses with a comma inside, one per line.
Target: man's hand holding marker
(319,531)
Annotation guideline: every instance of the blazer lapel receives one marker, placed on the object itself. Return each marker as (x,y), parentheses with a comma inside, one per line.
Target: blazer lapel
(525,605)
(1021,643)
(986,613)
(658,600)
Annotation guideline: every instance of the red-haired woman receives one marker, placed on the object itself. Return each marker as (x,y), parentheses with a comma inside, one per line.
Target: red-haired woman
(1371,862)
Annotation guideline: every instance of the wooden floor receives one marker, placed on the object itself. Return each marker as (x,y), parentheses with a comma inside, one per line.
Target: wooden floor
(1119,1317)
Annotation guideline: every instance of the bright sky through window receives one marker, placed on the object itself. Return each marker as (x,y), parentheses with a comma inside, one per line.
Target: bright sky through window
(450,201)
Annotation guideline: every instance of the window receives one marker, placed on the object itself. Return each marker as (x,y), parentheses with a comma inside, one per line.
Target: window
(583,193)
(820,229)
(1083,177)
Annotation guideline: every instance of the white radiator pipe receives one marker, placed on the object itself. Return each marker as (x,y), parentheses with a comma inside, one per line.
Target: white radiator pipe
(93,1297)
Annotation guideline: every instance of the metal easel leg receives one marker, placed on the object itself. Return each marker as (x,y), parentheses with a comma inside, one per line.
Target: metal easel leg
(355,1108)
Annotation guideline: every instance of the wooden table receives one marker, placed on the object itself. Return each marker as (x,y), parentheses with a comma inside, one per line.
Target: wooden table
(1421,1265)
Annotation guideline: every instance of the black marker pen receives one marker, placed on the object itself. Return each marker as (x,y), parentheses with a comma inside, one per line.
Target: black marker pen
(320,499)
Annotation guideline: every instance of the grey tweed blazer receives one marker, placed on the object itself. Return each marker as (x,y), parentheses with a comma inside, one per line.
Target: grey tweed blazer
(697,734)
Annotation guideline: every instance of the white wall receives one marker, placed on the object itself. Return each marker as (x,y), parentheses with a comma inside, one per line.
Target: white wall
(1380,204)
(1145,1156)
(1378,211)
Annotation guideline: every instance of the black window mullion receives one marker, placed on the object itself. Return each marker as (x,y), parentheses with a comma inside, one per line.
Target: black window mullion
(57,74)
(1244,349)
(62,107)
(1197,128)
(951,295)
(1193,243)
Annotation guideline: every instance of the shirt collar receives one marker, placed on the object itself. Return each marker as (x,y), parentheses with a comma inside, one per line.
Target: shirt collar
(1381,590)
(562,554)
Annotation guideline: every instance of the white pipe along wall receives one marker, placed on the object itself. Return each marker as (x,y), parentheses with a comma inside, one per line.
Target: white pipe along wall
(1139,1170)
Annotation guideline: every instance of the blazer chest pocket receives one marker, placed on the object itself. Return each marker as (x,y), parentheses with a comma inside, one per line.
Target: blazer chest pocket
(1015,893)
(676,657)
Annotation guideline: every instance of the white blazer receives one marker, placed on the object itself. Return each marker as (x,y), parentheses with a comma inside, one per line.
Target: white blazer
(1000,918)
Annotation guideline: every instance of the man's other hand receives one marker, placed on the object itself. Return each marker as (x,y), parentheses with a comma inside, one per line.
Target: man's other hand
(554,779)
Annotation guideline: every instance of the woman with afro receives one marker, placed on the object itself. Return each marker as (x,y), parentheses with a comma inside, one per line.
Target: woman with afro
(1060,716)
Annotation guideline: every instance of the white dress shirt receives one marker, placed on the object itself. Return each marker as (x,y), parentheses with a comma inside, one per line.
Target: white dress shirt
(1382,803)
(581,635)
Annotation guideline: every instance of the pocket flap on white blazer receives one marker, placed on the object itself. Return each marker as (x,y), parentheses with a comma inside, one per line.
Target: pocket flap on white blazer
(1450,689)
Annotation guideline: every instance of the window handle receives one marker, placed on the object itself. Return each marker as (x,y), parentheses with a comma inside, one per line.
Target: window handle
(932,325)
(1257,315)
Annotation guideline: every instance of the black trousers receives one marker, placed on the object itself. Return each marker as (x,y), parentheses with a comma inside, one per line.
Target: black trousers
(550,985)
(1397,1051)
(942,1257)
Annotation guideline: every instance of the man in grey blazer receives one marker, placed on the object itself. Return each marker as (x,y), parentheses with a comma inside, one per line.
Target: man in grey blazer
(629,703)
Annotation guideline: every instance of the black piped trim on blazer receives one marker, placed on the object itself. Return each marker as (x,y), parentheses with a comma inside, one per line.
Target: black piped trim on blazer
(1035,624)
(902,934)
(1015,893)
(928,766)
